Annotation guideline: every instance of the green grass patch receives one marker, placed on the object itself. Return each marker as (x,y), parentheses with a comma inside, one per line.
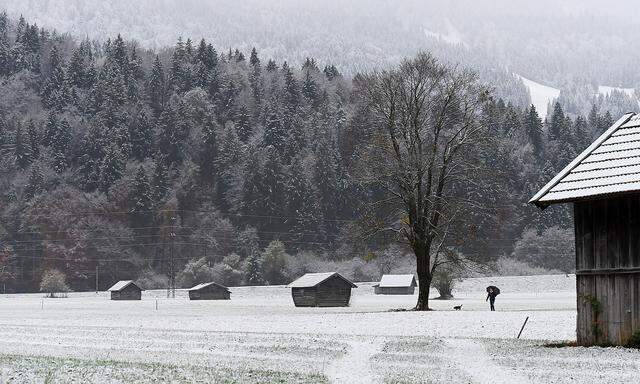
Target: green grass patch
(38,369)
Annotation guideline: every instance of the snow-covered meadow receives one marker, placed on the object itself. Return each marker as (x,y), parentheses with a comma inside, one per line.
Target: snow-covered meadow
(259,337)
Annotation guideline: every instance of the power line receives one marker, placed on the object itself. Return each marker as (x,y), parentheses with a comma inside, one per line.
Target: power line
(213,229)
(192,211)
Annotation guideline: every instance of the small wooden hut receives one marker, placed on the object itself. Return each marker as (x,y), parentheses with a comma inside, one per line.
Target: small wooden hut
(396,285)
(125,290)
(321,290)
(209,291)
(603,183)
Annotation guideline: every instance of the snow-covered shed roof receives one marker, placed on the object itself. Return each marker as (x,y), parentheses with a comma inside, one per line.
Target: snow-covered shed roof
(122,284)
(611,165)
(312,279)
(204,285)
(392,281)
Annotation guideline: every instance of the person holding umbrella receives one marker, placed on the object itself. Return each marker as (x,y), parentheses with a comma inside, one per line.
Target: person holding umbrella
(492,292)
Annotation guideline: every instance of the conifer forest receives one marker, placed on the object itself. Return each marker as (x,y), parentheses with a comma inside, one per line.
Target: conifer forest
(126,162)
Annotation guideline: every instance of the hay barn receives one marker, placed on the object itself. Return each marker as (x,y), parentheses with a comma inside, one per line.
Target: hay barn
(125,290)
(603,184)
(209,291)
(396,285)
(329,289)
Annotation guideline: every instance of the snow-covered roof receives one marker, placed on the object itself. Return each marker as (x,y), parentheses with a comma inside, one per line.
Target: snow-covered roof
(390,281)
(312,279)
(204,285)
(611,165)
(122,284)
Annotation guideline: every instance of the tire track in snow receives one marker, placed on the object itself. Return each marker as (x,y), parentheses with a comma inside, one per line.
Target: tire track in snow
(471,356)
(355,366)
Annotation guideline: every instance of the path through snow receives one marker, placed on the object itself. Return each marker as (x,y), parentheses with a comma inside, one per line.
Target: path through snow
(472,358)
(355,366)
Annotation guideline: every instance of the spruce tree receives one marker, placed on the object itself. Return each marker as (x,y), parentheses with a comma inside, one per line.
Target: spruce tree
(35,184)
(94,145)
(226,101)
(141,200)
(136,75)
(251,194)
(60,146)
(156,87)
(19,60)
(91,74)
(534,130)
(243,123)
(159,181)
(34,140)
(111,168)
(111,90)
(169,139)
(301,201)
(208,152)
(324,177)
(77,72)
(253,270)
(201,72)
(581,138)
(558,129)
(594,120)
(310,88)
(181,74)
(254,60)
(274,131)
(22,150)
(230,164)
(141,135)
(291,91)
(51,128)
(255,78)
(239,56)
(273,182)
(5,50)
(56,93)
(331,72)
(605,122)
(271,66)
(120,57)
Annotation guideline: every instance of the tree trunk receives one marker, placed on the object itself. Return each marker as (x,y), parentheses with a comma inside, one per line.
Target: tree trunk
(424,278)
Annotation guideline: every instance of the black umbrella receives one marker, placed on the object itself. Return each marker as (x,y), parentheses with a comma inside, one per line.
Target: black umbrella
(496,290)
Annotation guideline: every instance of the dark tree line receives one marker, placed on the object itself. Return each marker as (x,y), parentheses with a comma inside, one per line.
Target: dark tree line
(117,160)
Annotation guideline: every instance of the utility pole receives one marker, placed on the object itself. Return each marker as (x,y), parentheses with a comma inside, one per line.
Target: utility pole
(97,271)
(171,291)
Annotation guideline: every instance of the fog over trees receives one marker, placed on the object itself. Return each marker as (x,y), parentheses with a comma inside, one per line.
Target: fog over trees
(121,158)
(575,46)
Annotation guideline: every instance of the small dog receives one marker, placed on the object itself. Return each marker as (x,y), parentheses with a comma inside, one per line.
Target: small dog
(458,307)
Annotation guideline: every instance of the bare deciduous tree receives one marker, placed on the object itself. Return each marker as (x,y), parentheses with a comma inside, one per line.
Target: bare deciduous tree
(426,134)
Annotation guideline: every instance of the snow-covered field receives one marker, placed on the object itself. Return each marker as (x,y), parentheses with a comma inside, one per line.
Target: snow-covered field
(606,90)
(541,95)
(260,337)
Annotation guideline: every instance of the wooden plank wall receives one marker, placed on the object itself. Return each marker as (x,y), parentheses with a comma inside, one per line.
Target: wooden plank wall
(334,292)
(395,290)
(608,269)
(304,297)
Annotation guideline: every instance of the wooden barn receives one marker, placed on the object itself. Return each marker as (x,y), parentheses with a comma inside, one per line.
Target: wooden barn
(321,290)
(209,291)
(603,183)
(125,290)
(395,285)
